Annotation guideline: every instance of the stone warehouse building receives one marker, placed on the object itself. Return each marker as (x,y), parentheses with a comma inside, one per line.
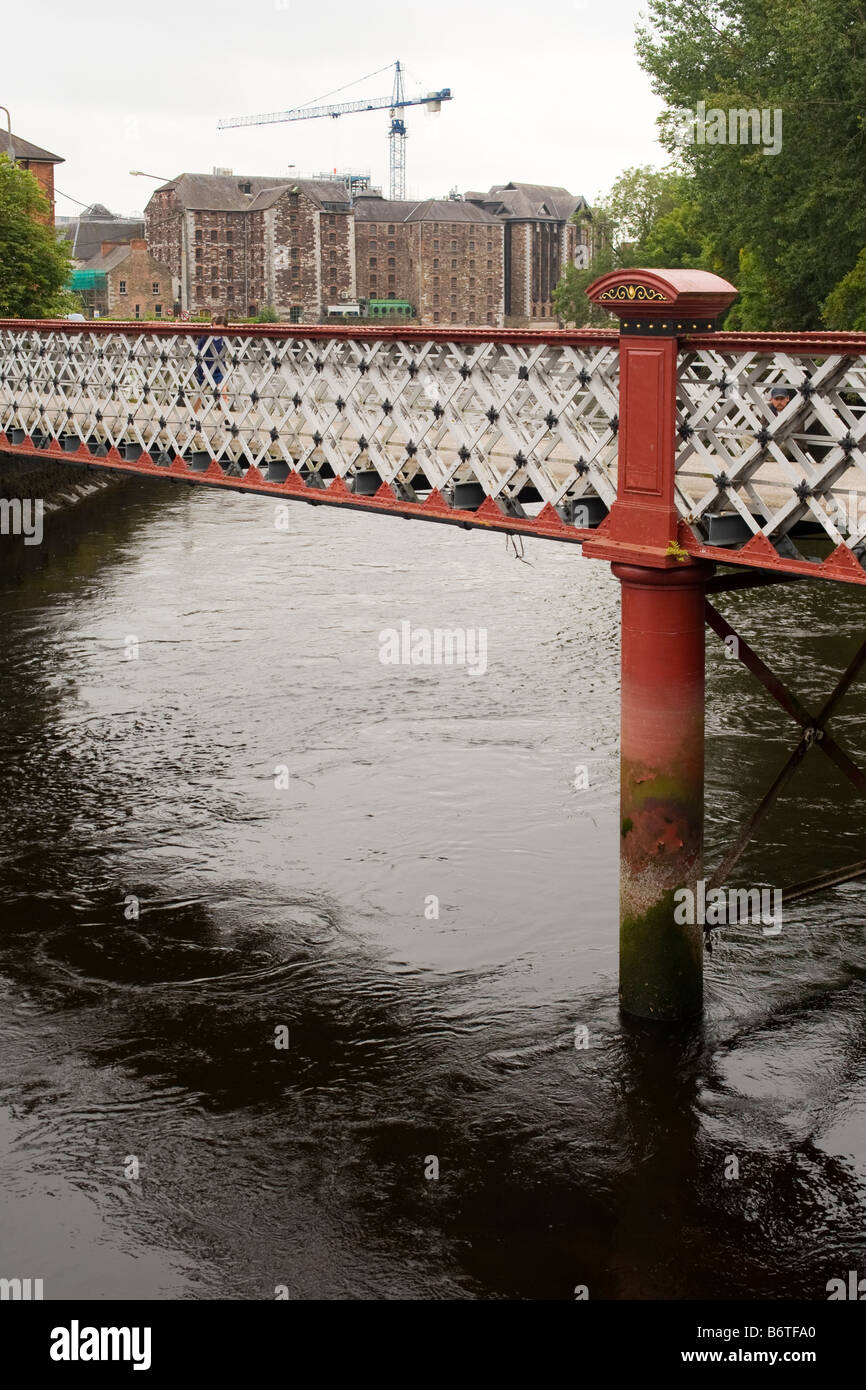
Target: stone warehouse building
(540,240)
(444,257)
(239,244)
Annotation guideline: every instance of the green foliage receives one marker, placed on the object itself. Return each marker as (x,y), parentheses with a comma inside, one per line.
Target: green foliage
(645,219)
(267,315)
(34,266)
(845,306)
(786,227)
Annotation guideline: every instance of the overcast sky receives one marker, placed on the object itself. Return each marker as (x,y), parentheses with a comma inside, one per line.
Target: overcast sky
(548,92)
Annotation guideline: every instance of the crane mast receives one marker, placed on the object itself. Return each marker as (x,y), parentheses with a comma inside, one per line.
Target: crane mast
(395,105)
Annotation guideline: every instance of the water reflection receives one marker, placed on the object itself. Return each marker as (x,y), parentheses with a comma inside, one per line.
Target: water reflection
(166,909)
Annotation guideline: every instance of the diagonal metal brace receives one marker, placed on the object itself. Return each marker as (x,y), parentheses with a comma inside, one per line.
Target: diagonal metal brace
(814,733)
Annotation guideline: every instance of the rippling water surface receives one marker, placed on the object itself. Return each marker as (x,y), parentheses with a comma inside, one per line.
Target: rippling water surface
(153,1037)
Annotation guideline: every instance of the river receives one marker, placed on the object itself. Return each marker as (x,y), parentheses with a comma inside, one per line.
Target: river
(422,906)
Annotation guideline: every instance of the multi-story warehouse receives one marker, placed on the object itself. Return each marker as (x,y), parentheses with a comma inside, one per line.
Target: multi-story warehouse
(540,240)
(445,257)
(238,244)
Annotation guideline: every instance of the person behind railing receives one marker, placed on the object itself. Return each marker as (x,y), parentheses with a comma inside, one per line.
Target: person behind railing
(214,363)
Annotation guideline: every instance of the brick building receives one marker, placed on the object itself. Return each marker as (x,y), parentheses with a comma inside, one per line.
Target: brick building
(40,163)
(125,281)
(445,257)
(239,243)
(540,240)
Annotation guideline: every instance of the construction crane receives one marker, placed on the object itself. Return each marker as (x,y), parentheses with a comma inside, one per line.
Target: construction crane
(396,103)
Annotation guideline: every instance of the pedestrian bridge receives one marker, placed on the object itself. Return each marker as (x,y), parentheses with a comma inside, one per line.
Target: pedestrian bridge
(510,431)
(660,448)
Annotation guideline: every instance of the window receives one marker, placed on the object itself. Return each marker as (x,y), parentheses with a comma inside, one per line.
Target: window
(333,257)
(198,253)
(332,238)
(157,309)
(453,265)
(198,233)
(155,287)
(251,311)
(214,290)
(436,316)
(122,287)
(391,245)
(435,246)
(373,261)
(490,301)
(372,282)
(435,282)
(391,294)
(453,243)
(391,262)
(453,318)
(392,280)
(453,299)
(471,245)
(373,244)
(436,263)
(246,187)
(435,226)
(391,229)
(471,265)
(435,299)
(472,282)
(490,246)
(229,236)
(373,228)
(332,221)
(213,236)
(138,311)
(471,316)
(453,282)
(489,265)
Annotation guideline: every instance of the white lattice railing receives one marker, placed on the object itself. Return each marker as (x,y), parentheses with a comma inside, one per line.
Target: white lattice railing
(519,426)
(521,420)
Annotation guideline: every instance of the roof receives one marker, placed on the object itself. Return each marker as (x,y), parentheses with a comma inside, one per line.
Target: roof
(530,201)
(426,210)
(96,225)
(114,258)
(384,210)
(225,192)
(25,150)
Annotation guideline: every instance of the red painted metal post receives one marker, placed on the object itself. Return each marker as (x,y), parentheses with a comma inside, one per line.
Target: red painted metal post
(661,787)
(663,594)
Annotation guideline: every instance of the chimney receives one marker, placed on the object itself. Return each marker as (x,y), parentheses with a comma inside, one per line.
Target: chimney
(138,244)
(106,246)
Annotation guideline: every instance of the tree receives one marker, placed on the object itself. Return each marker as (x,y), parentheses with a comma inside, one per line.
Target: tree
(35,266)
(794,222)
(643,220)
(845,306)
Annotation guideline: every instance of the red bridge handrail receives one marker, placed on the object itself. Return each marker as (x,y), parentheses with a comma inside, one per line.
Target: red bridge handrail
(170,328)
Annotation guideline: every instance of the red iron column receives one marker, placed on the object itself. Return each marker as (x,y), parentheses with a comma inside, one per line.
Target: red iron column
(662,733)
